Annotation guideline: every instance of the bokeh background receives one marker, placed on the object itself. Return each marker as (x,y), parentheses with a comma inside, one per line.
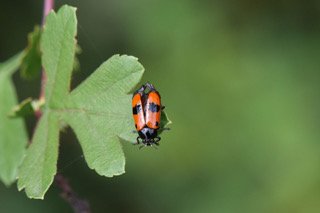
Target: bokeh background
(240,81)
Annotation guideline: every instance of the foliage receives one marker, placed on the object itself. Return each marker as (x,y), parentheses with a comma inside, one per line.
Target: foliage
(13,136)
(26,108)
(98,110)
(31,62)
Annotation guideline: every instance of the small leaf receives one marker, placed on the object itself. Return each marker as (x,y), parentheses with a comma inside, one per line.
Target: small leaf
(23,109)
(13,136)
(31,61)
(26,108)
(98,110)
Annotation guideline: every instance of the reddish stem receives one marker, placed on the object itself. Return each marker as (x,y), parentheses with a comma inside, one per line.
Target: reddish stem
(47,7)
(78,205)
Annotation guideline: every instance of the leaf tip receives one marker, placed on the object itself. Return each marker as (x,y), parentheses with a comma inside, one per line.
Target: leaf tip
(67,7)
(31,192)
(111,173)
(6,182)
(20,185)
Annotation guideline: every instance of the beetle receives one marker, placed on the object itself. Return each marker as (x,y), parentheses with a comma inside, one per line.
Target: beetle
(146,110)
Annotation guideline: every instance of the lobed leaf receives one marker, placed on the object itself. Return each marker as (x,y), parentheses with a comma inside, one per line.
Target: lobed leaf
(13,135)
(98,110)
(58,45)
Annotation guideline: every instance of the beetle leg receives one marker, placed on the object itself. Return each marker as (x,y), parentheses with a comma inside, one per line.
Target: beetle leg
(140,147)
(157,139)
(162,107)
(166,128)
(150,142)
(138,142)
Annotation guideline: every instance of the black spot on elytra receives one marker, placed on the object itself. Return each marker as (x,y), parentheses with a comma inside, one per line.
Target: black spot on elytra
(157,123)
(136,110)
(154,107)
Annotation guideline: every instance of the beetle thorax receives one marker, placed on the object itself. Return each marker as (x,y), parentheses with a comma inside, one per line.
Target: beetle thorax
(148,133)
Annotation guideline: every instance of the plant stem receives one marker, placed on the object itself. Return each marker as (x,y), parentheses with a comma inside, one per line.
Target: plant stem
(78,205)
(47,7)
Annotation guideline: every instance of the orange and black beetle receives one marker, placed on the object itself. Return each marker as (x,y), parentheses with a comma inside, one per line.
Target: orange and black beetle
(146,110)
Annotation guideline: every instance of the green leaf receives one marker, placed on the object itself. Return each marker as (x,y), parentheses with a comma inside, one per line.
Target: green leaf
(13,136)
(39,166)
(31,62)
(26,108)
(98,110)
(23,109)
(58,46)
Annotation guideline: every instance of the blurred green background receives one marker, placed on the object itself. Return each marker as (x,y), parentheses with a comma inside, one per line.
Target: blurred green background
(240,81)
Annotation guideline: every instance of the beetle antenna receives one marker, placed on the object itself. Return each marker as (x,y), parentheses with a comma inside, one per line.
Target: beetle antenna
(150,86)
